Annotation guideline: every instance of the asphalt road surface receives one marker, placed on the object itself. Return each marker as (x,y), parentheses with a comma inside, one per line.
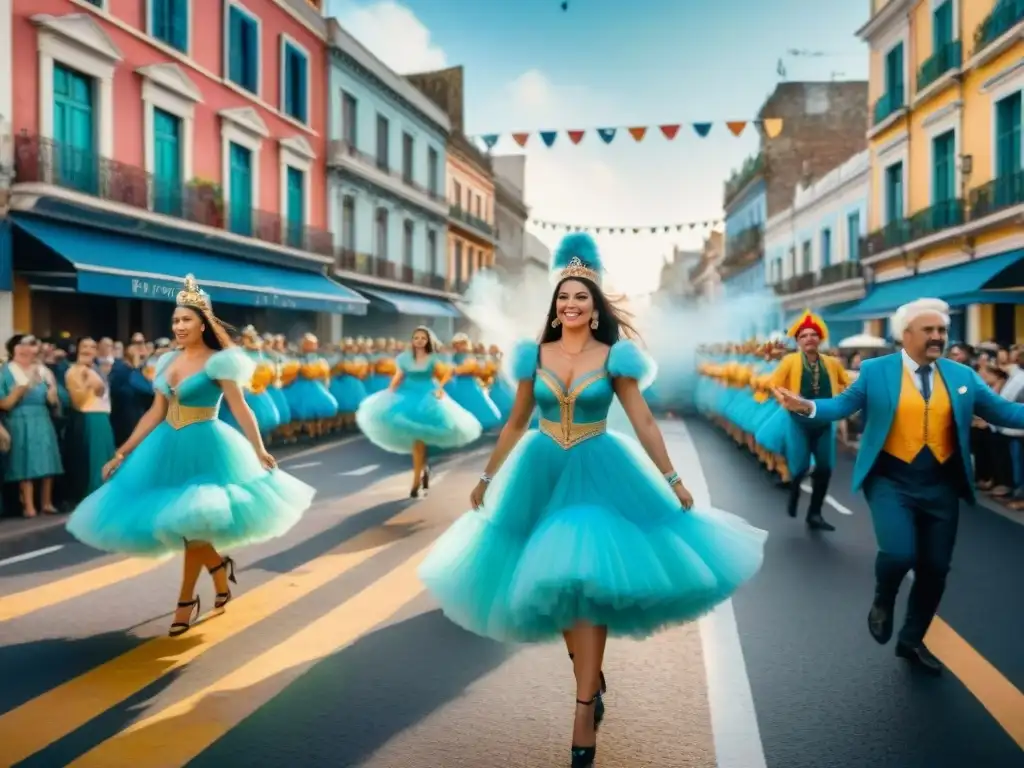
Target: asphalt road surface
(331,653)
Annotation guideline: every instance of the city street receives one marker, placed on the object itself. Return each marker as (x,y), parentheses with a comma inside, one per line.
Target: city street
(331,653)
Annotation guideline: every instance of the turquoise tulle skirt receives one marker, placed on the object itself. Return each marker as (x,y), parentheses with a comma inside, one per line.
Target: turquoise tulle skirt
(310,400)
(263,410)
(396,419)
(284,411)
(467,392)
(202,482)
(591,533)
(349,392)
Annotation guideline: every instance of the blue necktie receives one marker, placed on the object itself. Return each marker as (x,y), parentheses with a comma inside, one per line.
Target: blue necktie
(926,383)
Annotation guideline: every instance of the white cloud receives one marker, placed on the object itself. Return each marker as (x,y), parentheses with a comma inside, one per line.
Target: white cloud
(393,33)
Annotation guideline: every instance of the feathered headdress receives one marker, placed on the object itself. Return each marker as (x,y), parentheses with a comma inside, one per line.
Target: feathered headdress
(194,296)
(809,320)
(577,256)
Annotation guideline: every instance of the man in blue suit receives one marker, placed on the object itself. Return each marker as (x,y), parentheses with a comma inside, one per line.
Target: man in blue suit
(914,463)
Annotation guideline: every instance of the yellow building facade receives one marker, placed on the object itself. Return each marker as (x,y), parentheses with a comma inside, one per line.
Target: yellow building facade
(946,206)
(471,234)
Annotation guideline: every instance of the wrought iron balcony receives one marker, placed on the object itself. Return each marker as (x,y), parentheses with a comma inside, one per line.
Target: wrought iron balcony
(889,104)
(351,260)
(830,275)
(998,195)
(946,58)
(1005,16)
(460,214)
(44,161)
(924,223)
(741,246)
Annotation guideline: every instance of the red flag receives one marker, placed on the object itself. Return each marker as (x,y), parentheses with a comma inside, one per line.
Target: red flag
(521,138)
(638,133)
(670,131)
(736,126)
(575,136)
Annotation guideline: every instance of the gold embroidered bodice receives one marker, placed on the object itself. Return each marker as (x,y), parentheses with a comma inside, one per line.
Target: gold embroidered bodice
(569,416)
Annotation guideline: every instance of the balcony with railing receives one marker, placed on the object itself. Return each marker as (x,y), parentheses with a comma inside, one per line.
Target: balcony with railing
(351,260)
(833,274)
(888,105)
(947,58)
(1005,16)
(753,166)
(43,161)
(997,195)
(340,150)
(463,216)
(742,249)
(925,223)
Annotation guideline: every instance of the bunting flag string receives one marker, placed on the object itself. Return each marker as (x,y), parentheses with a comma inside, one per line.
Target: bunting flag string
(646,229)
(769,127)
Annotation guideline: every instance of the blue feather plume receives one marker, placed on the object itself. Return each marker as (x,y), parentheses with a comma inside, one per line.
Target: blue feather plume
(579,245)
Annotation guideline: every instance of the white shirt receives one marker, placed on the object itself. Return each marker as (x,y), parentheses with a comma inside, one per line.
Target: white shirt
(911,366)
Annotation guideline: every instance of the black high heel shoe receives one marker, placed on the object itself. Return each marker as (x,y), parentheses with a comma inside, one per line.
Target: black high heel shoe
(181,627)
(583,757)
(223,598)
(425,479)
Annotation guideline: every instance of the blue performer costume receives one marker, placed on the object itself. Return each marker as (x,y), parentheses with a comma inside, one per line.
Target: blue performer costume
(914,466)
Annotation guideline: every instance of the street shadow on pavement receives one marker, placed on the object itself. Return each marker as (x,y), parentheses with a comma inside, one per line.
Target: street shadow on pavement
(31,669)
(354,702)
(346,529)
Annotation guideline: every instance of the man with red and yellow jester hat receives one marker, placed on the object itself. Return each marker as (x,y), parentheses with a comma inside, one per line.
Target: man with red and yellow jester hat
(814,376)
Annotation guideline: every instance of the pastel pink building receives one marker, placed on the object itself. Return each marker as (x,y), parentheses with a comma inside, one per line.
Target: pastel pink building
(170,136)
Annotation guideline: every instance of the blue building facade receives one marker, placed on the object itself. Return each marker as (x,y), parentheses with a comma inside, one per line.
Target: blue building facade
(745,217)
(386,191)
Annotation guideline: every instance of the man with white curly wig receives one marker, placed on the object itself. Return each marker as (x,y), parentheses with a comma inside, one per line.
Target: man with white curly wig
(913,464)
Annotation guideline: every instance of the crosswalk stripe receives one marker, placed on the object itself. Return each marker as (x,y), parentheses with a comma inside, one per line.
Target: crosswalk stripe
(360,471)
(32,726)
(35,599)
(181,731)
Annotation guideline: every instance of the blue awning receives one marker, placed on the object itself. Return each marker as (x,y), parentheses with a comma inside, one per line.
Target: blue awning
(411,304)
(987,280)
(113,265)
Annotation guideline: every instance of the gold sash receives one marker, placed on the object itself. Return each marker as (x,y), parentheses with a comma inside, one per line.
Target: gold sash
(179,415)
(568,434)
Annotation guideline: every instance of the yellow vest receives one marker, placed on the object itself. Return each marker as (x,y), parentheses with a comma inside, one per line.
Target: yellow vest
(918,424)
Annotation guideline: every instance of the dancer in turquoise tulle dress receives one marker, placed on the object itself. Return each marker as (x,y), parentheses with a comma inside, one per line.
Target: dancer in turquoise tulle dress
(577,531)
(414,412)
(184,477)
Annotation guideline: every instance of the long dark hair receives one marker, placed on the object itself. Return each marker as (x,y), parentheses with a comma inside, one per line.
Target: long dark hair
(613,322)
(216,335)
(430,339)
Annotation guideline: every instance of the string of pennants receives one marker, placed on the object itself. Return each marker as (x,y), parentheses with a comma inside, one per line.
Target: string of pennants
(617,230)
(771,127)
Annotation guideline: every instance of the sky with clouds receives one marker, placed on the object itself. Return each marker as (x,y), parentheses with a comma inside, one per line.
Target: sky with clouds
(531,66)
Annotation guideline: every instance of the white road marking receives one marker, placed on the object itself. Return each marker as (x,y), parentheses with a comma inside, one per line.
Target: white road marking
(307,465)
(830,500)
(360,471)
(31,555)
(733,717)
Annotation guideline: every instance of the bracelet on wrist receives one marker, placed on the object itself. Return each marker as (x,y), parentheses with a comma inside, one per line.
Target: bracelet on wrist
(485,478)
(672,478)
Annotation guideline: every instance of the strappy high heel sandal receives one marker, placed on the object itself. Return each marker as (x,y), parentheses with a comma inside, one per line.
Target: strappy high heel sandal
(223,598)
(181,627)
(583,757)
(425,479)
(599,706)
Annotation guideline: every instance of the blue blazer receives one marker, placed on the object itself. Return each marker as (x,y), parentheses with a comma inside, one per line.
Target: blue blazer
(876,393)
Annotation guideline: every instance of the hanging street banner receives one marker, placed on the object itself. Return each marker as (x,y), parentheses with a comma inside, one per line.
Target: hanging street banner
(645,229)
(770,127)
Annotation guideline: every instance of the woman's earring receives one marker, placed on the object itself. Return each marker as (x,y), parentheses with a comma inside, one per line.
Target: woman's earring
(593,322)
(555,323)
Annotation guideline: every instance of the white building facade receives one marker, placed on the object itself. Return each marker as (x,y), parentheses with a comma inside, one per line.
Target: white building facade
(812,248)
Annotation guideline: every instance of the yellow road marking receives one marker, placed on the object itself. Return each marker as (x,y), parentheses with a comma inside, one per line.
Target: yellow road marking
(999,696)
(61,710)
(179,733)
(45,595)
